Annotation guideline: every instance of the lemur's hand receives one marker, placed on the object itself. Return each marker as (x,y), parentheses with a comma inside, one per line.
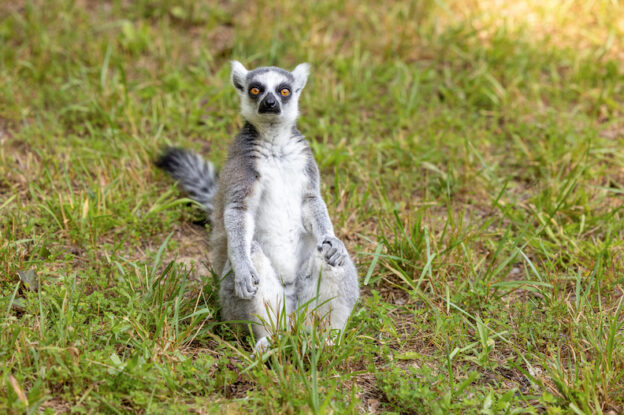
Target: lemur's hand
(246,282)
(333,250)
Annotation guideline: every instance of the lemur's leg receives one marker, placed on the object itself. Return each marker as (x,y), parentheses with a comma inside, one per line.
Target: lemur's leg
(265,309)
(330,291)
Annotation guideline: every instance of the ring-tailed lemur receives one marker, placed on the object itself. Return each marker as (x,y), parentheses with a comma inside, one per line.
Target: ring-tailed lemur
(272,238)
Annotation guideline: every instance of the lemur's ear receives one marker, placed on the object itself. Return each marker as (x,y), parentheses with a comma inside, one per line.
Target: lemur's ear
(238,76)
(301,73)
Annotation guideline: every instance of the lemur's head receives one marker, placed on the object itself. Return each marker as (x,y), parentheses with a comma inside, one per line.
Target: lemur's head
(269,94)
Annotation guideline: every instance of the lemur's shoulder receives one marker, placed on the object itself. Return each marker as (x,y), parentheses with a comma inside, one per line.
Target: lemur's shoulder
(311,168)
(244,143)
(240,173)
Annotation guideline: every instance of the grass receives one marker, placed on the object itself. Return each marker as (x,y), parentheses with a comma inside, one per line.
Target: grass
(472,156)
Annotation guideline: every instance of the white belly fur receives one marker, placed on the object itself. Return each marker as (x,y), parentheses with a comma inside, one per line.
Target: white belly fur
(279,218)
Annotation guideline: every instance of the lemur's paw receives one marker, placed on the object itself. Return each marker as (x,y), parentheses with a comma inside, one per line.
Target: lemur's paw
(262,345)
(246,283)
(333,251)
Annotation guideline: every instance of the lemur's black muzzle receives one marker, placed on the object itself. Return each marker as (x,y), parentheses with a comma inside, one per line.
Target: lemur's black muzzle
(269,105)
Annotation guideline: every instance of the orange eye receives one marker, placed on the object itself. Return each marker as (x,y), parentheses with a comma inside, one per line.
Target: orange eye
(285,92)
(254,91)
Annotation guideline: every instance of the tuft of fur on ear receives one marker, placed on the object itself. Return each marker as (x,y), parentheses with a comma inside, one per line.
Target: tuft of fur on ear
(239,72)
(301,73)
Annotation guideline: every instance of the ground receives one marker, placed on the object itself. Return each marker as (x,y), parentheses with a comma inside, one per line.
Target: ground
(472,159)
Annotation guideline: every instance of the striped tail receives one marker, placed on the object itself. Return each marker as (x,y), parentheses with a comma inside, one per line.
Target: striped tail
(197,176)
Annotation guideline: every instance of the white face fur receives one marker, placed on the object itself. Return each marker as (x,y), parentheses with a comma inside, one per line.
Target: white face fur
(269,95)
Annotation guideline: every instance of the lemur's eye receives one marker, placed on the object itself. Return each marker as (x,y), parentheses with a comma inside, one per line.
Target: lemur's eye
(254,91)
(285,92)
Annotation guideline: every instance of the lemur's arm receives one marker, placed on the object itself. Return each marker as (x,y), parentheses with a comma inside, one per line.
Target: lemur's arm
(316,216)
(316,219)
(241,199)
(239,226)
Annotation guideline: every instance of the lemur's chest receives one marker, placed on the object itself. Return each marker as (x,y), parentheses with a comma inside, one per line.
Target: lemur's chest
(282,183)
(279,217)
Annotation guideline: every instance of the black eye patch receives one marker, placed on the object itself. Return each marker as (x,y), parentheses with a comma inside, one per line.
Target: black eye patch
(253,87)
(288,93)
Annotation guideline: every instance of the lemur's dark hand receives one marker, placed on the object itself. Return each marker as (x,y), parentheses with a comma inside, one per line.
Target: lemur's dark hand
(333,251)
(246,282)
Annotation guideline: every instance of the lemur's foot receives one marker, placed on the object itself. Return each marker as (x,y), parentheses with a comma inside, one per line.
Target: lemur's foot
(262,346)
(246,283)
(333,250)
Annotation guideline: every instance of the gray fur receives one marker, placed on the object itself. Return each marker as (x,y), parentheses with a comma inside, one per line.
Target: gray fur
(251,75)
(236,188)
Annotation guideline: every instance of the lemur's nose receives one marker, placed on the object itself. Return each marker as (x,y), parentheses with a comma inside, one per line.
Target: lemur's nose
(269,105)
(270,101)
